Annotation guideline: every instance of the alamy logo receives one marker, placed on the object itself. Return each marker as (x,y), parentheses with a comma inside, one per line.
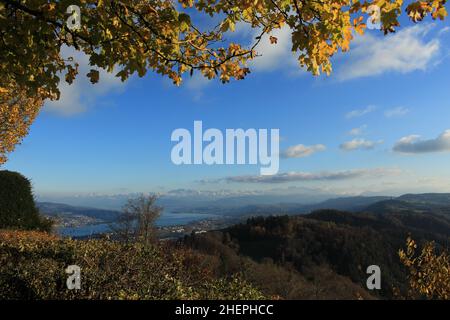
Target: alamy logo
(374,280)
(249,146)
(74,20)
(74,278)
(374,20)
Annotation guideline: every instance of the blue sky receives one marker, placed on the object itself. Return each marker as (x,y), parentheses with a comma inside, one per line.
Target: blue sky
(354,132)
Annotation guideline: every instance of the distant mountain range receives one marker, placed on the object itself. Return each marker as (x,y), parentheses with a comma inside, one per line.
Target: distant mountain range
(178,199)
(352,204)
(431,203)
(436,204)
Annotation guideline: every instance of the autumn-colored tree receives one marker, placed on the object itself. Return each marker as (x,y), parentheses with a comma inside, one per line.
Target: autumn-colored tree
(17,111)
(134,36)
(429,273)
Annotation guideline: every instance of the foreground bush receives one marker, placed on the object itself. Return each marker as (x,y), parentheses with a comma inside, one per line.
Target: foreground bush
(17,207)
(32,266)
(429,271)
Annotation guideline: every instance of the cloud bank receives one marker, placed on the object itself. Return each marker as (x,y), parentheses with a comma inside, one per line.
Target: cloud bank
(307,176)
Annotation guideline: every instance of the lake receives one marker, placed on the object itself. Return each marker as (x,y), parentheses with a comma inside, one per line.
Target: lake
(166,219)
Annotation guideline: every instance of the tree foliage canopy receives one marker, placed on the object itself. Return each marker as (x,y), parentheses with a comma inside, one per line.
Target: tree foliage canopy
(135,36)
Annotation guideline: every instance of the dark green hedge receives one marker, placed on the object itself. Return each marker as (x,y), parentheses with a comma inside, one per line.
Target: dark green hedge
(17,207)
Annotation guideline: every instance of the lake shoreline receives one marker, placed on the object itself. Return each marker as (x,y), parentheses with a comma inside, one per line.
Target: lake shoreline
(168,224)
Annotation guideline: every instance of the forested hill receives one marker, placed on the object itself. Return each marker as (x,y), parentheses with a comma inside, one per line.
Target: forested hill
(55,210)
(327,252)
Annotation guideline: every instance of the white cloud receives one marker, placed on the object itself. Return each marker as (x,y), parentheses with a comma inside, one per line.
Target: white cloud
(444,30)
(413,144)
(360,112)
(197,81)
(358,131)
(81,94)
(196,86)
(396,112)
(300,150)
(402,52)
(359,144)
(269,56)
(277,55)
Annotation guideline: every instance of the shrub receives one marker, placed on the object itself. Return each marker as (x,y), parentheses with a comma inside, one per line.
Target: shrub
(32,266)
(17,207)
(429,272)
